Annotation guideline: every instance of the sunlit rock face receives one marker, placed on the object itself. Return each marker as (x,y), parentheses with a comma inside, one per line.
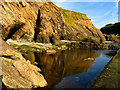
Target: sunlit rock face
(17,72)
(64,63)
(45,22)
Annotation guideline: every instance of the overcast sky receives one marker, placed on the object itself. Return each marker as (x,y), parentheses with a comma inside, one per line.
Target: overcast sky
(99,11)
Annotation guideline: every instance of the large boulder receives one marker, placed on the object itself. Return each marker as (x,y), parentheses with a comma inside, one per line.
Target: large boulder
(18,72)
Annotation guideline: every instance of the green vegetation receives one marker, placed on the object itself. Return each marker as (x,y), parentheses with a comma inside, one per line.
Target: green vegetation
(25,48)
(71,16)
(109,78)
(111,28)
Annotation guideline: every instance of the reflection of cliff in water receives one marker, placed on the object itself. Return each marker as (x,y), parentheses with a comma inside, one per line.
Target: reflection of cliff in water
(110,53)
(63,63)
(30,56)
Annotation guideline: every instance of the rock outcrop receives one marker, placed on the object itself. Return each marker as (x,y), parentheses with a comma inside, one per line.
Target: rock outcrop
(45,22)
(113,38)
(111,32)
(17,72)
(111,28)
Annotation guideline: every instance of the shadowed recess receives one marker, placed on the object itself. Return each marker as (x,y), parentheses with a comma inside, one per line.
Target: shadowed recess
(38,24)
(14,28)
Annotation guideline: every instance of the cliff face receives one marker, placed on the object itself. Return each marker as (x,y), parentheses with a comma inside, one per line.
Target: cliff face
(45,22)
(81,27)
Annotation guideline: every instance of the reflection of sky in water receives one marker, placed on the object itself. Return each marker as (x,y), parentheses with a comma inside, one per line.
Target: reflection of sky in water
(83,80)
(69,68)
(116,44)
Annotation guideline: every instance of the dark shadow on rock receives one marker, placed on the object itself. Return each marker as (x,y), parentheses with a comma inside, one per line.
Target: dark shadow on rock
(14,28)
(38,24)
(7,56)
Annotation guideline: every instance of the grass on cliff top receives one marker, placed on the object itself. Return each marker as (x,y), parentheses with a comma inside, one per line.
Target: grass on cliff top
(71,16)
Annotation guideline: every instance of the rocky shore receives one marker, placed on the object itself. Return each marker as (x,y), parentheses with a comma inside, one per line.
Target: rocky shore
(18,72)
(112,38)
(109,77)
(25,46)
(41,27)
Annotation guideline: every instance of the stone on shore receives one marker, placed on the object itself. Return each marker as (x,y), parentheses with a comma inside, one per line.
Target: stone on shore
(17,72)
(90,59)
(51,51)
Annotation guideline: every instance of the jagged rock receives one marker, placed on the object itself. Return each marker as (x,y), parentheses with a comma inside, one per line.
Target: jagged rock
(23,4)
(11,77)
(45,22)
(29,73)
(17,72)
(113,38)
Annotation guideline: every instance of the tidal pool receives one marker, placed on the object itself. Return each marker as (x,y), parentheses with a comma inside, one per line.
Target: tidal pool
(70,68)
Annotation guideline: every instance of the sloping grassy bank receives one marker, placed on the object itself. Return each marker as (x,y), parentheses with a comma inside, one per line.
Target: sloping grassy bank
(110,77)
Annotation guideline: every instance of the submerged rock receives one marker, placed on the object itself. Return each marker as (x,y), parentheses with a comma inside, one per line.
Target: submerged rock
(51,51)
(90,59)
(17,72)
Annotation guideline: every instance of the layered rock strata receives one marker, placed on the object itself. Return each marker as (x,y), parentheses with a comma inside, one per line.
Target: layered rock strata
(45,22)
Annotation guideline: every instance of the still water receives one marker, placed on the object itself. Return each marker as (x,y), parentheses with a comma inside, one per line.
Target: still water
(70,68)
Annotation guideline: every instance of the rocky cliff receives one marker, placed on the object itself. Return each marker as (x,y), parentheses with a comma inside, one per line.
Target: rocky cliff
(45,22)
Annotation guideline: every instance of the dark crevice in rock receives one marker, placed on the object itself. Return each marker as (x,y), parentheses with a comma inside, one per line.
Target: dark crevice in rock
(61,38)
(38,21)
(51,39)
(22,36)
(90,30)
(38,24)
(100,38)
(53,29)
(7,56)
(52,21)
(14,28)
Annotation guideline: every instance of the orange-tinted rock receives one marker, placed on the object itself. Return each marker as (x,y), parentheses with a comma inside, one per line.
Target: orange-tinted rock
(113,38)
(23,4)
(17,72)
(50,51)
(44,22)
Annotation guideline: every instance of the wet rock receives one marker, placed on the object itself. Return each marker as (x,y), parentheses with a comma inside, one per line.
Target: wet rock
(35,63)
(51,51)
(90,59)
